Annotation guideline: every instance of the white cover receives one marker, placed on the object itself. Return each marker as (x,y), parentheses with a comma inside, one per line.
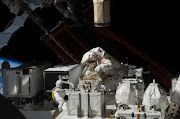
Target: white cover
(96,103)
(155,96)
(125,94)
(176,95)
(175,99)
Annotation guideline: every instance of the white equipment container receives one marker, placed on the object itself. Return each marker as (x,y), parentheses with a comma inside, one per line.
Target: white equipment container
(85,104)
(173,84)
(134,113)
(130,91)
(69,73)
(24,81)
(155,95)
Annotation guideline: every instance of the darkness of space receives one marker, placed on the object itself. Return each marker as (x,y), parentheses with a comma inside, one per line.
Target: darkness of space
(152,25)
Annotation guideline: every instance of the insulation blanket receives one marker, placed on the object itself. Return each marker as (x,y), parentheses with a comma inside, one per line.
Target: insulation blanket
(155,96)
(125,94)
(176,94)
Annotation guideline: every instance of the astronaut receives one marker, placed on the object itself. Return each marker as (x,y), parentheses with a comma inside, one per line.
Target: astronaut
(106,64)
(59,94)
(94,61)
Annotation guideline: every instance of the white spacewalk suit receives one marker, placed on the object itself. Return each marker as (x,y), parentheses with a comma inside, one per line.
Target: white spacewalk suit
(105,63)
(59,94)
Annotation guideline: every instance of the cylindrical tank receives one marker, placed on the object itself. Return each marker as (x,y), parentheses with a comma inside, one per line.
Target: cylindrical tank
(101,13)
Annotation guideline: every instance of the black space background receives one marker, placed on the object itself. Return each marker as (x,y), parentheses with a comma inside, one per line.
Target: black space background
(153,25)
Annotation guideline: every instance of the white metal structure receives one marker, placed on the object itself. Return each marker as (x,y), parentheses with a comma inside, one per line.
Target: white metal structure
(173,111)
(24,81)
(70,73)
(17,22)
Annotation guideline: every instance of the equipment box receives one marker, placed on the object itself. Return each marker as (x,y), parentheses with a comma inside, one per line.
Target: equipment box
(69,73)
(24,81)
